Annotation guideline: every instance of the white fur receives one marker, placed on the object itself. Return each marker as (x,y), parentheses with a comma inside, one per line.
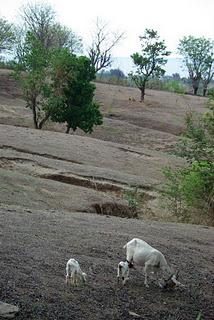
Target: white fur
(140,253)
(74,274)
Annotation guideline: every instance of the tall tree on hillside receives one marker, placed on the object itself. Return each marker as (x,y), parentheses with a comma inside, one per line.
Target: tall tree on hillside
(103,42)
(35,61)
(7,36)
(40,20)
(150,62)
(198,57)
(57,85)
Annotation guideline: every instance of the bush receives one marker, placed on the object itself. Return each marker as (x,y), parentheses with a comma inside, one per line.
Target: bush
(136,198)
(172,191)
(175,86)
(168,85)
(191,189)
(155,84)
(132,197)
(210,92)
(8,64)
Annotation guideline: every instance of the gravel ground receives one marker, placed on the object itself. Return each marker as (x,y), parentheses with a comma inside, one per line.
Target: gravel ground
(35,246)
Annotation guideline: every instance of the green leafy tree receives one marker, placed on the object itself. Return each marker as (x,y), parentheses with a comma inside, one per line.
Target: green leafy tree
(57,85)
(71,96)
(7,36)
(34,62)
(198,57)
(149,63)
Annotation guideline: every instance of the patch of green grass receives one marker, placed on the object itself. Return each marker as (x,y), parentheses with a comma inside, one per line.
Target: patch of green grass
(174,86)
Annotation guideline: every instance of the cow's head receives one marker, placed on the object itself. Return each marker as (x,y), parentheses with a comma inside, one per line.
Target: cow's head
(172,281)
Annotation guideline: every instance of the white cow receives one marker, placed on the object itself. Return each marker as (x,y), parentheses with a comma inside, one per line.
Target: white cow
(140,253)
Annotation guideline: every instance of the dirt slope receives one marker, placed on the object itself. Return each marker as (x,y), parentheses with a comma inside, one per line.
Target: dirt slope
(42,169)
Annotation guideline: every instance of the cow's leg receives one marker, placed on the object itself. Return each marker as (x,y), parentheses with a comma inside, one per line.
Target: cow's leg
(146,267)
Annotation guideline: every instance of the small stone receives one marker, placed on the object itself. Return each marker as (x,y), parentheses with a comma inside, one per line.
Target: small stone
(8,310)
(131,313)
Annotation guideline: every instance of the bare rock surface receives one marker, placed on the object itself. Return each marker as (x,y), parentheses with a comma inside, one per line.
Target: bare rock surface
(43,169)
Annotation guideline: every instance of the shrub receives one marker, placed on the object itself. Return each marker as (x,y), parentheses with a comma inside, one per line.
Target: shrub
(168,85)
(155,84)
(175,86)
(132,197)
(172,191)
(191,189)
(210,92)
(7,64)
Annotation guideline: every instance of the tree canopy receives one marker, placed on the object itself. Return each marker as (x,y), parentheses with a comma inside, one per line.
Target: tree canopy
(71,98)
(7,36)
(198,57)
(35,63)
(40,20)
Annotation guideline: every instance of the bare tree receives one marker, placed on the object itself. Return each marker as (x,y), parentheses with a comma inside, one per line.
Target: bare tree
(103,42)
(40,20)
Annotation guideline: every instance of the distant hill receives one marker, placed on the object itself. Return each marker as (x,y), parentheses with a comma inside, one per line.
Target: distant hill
(173,65)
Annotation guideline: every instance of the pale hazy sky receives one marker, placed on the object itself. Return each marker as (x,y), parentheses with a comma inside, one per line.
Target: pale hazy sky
(173,19)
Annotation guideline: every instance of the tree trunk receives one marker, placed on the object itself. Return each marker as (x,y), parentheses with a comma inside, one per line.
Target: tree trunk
(68,129)
(42,122)
(195,85)
(195,90)
(142,89)
(34,113)
(205,89)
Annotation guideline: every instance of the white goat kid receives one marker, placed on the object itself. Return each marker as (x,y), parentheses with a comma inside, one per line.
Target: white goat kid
(140,253)
(74,274)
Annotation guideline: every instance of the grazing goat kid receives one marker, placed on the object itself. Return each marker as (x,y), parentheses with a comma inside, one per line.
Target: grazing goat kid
(140,253)
(74,273)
